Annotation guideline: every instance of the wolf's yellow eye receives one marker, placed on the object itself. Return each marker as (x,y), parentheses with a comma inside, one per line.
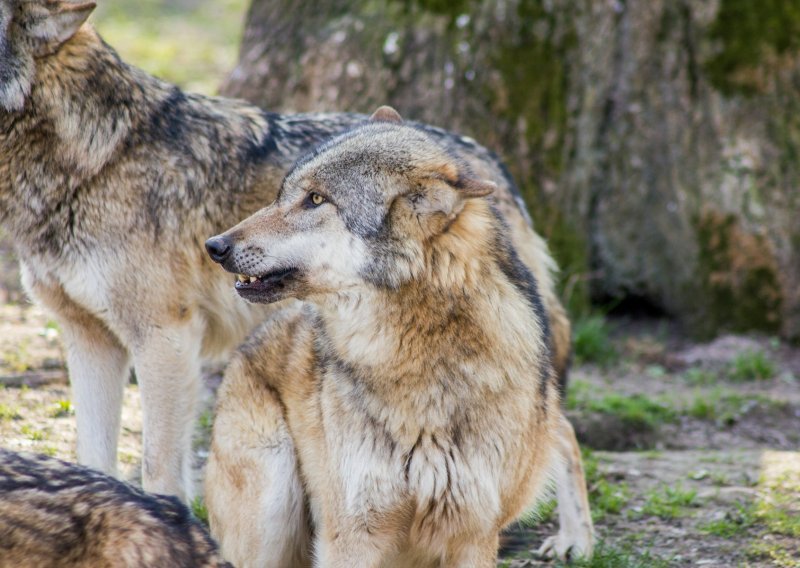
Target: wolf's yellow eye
(316,198)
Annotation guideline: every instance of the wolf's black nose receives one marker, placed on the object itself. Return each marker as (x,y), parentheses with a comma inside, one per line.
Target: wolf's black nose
(218,248)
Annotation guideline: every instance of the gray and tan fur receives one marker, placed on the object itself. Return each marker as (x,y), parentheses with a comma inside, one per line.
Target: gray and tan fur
(56,514)
(409,410)
(110,181)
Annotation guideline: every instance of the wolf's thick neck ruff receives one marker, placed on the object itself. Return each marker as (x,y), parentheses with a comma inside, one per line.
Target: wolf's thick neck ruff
(397,338)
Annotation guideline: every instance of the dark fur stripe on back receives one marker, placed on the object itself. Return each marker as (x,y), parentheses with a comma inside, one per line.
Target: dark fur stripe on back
(75,516)
(518,274)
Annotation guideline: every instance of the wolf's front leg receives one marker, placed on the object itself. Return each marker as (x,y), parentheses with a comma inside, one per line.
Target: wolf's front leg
(345,548)
(575,536)
(478,554)
(98,370)
(368,538)
(167,364)
(255,499)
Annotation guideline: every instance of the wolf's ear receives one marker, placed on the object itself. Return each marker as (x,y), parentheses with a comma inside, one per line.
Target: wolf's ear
(64,21)
(386,114)
(444,191)
(473,187)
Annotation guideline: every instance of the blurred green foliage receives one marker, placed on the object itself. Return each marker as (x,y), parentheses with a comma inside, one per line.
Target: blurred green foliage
(669,502)
(751,366)
(592,342)
(751,34)
(199,510)
(628,555)
(734,523)
(193,43)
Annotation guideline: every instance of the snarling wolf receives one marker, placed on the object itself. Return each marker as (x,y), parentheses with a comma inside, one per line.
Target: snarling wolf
(56,514)
(110,181)
(411,402)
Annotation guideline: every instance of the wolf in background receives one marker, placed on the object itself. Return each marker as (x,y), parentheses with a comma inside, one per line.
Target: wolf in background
(59,515)
(111,180)
(410,410)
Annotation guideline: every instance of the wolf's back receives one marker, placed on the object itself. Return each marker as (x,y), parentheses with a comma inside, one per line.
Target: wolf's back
(54,513)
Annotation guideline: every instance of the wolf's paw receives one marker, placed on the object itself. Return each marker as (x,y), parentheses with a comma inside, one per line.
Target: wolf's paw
(567,547)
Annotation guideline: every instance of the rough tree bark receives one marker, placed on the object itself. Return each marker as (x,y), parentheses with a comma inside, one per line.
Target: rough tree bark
(657,142)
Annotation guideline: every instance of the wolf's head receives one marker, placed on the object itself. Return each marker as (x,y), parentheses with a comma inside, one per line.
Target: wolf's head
(30,30)
(358,211)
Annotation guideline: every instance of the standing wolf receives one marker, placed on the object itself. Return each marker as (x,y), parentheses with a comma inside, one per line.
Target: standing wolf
(412,403)
(110,181)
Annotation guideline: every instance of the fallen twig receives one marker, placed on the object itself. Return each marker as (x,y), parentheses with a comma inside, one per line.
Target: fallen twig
(34,378)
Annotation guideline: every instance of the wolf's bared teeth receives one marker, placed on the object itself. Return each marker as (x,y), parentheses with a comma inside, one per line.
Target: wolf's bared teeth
(253,279)
(242,278)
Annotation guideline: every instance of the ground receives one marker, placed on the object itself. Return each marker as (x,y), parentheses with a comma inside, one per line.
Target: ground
(691,450)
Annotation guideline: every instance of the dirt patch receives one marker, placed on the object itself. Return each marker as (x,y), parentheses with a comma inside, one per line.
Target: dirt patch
(664,393)
(29,341)
(36,411)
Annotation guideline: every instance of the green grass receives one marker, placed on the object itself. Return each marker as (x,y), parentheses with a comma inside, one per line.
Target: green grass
(206,420)
(780,515)
(18,360)
(725,406)
(604,497)
(129,457)
(199,510)
(721,405)
(592,343)
(32,433)
(668,502)
(543,511)
(8,413)
(51,330)
(591,466)
(751,366)
(702,408)
(62,409)
(608,555)
(651,454)
(700,377)
(624,556)
(205,424)
(733,524)
(717,478)
(608,498)
(635,411)
(777,555)
(193,43)
(48,451)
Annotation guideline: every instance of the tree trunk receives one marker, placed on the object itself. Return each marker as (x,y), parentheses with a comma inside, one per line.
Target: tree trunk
(656,142)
